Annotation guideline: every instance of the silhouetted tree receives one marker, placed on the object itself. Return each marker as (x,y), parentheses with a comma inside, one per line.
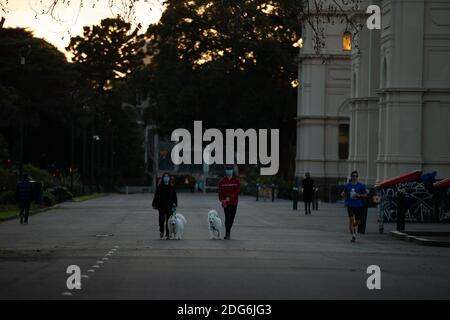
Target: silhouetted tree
(36,87)
(107,52)
(231,65)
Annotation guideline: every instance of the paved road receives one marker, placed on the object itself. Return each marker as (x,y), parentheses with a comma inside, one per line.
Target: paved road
(275,253)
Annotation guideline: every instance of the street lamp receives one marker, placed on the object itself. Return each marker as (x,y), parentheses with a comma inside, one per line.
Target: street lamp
(22,110)
(74,95)
(95,138)
(347,41)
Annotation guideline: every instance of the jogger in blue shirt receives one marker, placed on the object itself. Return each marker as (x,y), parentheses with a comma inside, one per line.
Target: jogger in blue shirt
(354,193)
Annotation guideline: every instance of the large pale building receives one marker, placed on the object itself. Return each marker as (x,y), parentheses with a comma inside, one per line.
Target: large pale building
(382,108)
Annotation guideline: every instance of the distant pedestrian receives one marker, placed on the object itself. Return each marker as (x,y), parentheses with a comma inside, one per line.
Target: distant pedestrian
(229,189)
(24,195)
(354,193)
(307,190)
(165,201)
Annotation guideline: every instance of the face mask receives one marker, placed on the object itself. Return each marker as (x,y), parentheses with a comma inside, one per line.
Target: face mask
(166,180)
(229,172)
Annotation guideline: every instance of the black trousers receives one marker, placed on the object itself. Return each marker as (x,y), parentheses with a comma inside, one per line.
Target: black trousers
(230,214)
(307,206)
(24,210)
(164,216)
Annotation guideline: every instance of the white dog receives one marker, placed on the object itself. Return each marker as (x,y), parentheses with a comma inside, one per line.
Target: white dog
(214,224)
(176,226)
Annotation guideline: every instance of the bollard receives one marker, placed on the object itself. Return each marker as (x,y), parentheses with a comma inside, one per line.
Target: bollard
(257,192)
(380,221)
(401,210)
(316,199)
(295,198)
(363,222)
(273,192)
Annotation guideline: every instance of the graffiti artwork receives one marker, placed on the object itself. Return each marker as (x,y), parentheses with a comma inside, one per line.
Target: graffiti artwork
(444,205)
(419,201)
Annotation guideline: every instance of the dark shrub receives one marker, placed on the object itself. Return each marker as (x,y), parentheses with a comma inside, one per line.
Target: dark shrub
(7,197)
(48,199)
(61,194)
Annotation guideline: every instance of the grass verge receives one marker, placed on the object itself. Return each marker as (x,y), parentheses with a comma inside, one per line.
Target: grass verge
(10,211)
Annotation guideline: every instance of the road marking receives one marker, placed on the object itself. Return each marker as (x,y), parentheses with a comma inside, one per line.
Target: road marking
(95,266)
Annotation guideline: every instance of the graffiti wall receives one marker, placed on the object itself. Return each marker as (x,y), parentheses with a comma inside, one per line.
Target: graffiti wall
(444,204)
(419,201)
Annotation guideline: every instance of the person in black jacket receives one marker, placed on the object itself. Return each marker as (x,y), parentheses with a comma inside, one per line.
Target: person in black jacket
(307,190)
(165,201)
(24,195)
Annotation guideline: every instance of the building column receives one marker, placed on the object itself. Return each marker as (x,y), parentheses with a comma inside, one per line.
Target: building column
(364,101)
(324,86)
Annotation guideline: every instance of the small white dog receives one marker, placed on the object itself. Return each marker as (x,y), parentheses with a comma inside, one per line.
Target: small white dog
(176,226)
(214,224)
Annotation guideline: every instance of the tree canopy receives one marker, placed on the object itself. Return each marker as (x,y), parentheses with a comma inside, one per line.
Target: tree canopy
(228,64)
(62,113)
(107,52)
(35,79)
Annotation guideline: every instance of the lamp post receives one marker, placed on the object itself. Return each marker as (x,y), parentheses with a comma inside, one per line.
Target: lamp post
(74,96)
(22,60)
(84,120)
(95,138)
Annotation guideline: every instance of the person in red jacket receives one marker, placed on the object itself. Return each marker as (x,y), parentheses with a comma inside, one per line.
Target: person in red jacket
(229,189)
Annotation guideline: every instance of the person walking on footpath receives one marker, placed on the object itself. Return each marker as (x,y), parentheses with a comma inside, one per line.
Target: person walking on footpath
(24,195)
(165,201)
(229,189)
(307,190)
(354,193)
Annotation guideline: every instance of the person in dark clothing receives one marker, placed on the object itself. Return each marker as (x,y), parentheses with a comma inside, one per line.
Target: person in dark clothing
(165,201)
(307,190)
(24,195)
(229,189)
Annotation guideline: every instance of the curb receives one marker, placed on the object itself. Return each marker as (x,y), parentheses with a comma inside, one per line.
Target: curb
(56,206)
(99,196)
(417,237)
(32,213)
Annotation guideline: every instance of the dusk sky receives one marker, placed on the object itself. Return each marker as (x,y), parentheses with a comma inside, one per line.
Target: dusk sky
(69,19)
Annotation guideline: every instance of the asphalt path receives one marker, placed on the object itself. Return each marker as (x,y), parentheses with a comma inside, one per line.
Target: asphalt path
(274,253)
